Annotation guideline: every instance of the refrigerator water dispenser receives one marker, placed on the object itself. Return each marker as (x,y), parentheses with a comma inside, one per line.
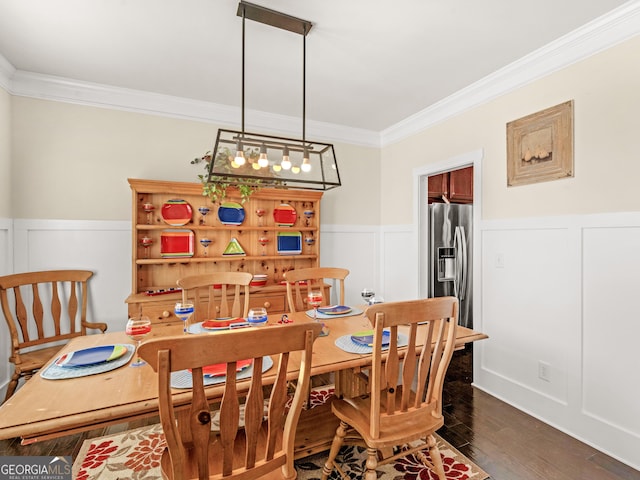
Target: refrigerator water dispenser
(446,264)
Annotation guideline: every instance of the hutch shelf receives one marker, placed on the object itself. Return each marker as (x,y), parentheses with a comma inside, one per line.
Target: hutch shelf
(176,231)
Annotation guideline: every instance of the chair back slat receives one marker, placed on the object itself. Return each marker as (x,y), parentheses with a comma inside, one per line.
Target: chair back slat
(302,280)
(409,370)
(74,304)
(229,419)
(422,363)
(167,416)
(424,367)
(235,452)
(22,317)
(391,367)
(217,294)
(200,422)
(38,310)
(277,405)
(253,414)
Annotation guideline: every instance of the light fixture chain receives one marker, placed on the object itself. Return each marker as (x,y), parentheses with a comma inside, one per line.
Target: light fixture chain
(304,84)
(243,40)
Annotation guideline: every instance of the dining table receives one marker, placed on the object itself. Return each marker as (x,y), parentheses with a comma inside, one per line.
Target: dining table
(50,406)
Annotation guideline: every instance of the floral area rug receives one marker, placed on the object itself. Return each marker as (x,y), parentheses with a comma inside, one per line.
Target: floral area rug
(135,454)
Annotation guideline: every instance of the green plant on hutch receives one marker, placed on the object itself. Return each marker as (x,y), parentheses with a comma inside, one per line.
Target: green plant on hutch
(216,189)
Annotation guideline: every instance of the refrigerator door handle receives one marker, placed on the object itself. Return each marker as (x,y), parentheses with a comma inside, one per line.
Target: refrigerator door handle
(456,246)
(460,245)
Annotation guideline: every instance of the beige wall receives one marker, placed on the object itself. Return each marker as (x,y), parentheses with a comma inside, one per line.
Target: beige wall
(606,94)
(5,154)
(357,201)
(78,159)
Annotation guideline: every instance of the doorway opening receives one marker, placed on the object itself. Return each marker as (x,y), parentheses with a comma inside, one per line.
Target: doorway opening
(422,191)
(450,240)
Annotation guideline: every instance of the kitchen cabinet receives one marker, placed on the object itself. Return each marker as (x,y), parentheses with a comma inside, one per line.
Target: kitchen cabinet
(176,231)
(456,186)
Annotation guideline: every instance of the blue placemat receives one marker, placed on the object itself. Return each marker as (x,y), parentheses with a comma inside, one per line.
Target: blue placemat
(345,343)
(324,316)
(55,372)
(182,378)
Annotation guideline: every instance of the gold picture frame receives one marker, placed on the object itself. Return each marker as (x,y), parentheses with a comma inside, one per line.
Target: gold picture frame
(540,146)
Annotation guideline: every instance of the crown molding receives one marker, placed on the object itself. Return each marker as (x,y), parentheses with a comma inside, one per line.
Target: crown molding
(615,27)
(6,72)
(60,89)
(604,32)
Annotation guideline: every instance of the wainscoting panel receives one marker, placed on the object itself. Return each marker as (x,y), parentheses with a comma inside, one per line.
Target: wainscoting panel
(611,323)
(355,249)
(102,247)
(6,246)
(528,306)
(558,304)
(399,276)
(6,268)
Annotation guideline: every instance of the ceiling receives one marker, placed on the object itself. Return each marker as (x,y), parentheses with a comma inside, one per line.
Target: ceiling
(370,63)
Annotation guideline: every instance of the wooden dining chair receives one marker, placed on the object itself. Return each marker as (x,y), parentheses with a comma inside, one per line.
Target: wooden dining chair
(302,280)
(263,447)
(43,310)
(225,294)
(405,401)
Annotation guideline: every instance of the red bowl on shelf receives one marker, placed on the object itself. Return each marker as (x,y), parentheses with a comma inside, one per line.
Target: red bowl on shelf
(259,280)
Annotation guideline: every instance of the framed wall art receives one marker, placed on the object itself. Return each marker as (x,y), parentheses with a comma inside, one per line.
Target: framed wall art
(540,146)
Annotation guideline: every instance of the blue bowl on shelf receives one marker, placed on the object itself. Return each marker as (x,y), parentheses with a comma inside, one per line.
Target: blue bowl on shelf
(231,213)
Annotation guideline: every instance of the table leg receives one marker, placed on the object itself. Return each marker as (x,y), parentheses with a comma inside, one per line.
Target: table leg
(351,383)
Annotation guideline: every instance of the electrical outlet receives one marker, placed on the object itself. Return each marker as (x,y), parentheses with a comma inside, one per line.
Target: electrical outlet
(544,371)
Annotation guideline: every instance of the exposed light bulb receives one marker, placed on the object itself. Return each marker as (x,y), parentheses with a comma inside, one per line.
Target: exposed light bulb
(286,163)
(306,165)
(263,161)
(255,166)
(295,170)
(239,159)
(277,168)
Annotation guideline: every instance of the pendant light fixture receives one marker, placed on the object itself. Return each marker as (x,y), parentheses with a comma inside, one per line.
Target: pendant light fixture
(254,159)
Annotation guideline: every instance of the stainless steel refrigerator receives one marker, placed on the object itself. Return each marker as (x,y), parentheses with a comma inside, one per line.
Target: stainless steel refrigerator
(450,241)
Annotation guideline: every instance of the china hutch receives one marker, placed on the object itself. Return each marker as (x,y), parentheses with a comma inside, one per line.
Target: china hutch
(176,231)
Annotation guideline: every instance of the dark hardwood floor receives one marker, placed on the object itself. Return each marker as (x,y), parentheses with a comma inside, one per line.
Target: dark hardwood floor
(511,445)
(505,442)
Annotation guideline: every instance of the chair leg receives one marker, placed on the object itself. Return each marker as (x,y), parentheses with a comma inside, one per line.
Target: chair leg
(436,460)
(371,464)
(13,384)
(338,440)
